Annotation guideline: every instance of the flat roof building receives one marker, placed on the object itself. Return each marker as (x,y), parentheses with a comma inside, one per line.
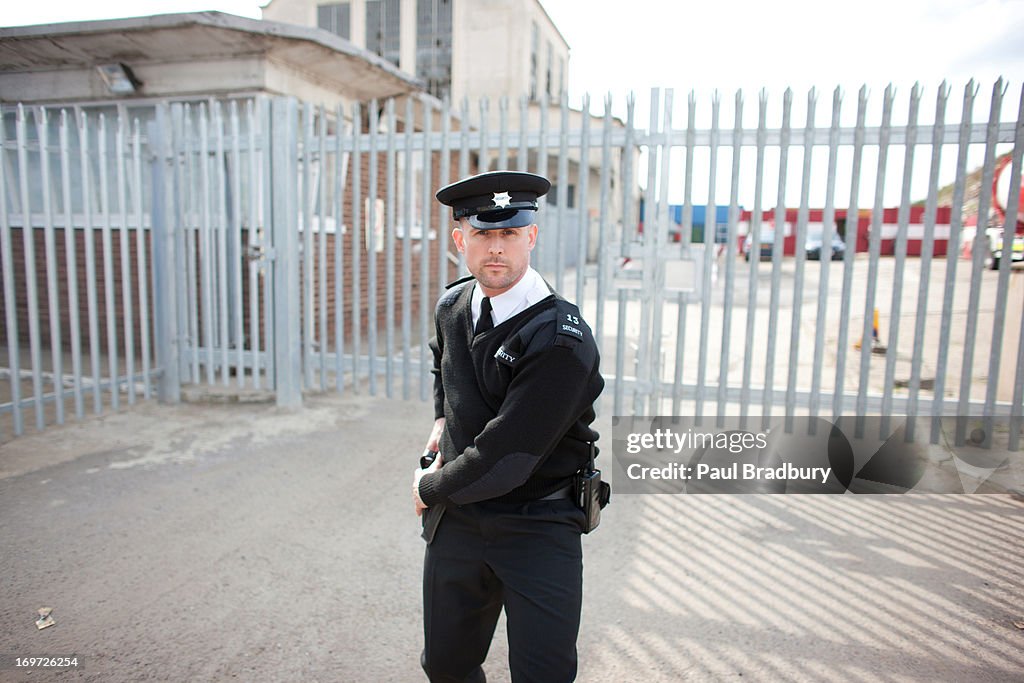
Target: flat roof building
(189,56)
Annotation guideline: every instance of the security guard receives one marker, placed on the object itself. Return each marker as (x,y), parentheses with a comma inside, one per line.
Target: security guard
(516,377)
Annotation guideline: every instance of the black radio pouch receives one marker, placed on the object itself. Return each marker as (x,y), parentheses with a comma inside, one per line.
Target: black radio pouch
(592,494)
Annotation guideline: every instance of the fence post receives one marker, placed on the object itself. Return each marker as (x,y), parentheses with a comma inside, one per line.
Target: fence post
(165,316)
(284,240)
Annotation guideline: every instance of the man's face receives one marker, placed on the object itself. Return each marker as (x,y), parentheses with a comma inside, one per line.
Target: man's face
(497,258)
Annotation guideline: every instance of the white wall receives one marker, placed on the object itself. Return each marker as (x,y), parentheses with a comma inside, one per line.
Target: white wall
(491,43)
(492,49)
(300,12)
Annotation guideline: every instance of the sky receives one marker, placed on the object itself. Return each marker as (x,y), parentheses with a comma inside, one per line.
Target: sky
(617,47)
(797,43)
(752,45)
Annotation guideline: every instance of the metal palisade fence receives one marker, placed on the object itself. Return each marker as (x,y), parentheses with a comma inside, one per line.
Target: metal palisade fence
(264,244)
(84,294)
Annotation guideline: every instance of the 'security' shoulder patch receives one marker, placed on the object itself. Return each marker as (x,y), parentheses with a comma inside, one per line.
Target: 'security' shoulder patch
(568,324)
(506,357)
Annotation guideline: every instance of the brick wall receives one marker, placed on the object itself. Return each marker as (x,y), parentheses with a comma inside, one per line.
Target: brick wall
(61,264)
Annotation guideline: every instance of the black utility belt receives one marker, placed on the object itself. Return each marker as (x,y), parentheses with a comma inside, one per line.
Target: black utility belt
(587,490)
(566,491)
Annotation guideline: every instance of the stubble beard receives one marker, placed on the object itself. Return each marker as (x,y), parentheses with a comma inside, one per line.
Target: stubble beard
(499,281)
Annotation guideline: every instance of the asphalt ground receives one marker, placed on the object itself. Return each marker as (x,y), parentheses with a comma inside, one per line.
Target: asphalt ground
(250,543)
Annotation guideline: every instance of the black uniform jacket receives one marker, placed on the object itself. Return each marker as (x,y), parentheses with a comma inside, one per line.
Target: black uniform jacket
(517,402)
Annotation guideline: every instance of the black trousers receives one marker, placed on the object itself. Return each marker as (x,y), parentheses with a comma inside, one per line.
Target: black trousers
(525,557)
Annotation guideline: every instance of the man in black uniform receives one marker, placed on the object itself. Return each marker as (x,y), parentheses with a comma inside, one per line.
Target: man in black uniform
(516,377)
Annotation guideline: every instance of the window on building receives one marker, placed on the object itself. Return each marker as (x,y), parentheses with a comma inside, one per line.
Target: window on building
(383,29)
(434,45)
(548,70)
(334,18)
(534,39)
(561,76)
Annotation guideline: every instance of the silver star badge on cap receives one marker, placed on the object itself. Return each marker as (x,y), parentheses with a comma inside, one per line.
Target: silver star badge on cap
(501,200)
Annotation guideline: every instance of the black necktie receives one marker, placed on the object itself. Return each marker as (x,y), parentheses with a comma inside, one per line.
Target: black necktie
(485,321)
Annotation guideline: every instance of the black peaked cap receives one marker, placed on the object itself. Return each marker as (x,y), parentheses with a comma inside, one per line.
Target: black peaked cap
(496,199)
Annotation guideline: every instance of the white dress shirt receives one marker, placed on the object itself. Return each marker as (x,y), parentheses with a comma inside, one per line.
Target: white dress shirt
(530,289)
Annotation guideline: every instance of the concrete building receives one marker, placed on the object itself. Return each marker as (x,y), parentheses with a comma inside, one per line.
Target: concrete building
(458,48)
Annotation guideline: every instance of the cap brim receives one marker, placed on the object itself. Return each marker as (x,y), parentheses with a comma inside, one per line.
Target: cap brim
(492,220)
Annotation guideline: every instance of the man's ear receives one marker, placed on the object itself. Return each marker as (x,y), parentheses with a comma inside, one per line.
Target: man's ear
(458,238)
(533,235)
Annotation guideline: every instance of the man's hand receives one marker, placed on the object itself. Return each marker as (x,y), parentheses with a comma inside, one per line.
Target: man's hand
(417,502)
(435,435)
(432,445)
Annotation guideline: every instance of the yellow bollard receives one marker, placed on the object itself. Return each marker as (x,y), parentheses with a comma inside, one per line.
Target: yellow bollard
(876,341)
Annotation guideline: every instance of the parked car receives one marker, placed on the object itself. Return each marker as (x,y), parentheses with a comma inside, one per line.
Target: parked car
(815,242)
(767,241)
(995,248)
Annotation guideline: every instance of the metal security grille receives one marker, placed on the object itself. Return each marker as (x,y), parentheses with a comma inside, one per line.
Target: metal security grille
(267,244)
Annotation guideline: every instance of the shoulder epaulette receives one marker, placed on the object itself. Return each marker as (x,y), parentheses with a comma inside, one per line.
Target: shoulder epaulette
(569,322)
(458,282)
(452,292)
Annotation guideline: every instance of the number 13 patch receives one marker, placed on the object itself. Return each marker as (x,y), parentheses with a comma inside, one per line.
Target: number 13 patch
(569,323)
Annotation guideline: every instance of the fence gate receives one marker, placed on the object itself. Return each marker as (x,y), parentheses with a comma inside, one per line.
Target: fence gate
(211,216)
